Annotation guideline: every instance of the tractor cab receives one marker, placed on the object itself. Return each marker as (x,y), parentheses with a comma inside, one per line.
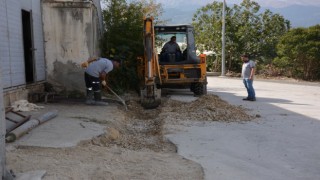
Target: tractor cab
(184,35)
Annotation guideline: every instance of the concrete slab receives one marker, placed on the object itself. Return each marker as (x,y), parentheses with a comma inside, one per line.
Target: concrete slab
(61,132)
(282,144)
(73,124)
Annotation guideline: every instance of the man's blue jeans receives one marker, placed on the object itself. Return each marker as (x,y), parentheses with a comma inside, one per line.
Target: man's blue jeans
(248,84)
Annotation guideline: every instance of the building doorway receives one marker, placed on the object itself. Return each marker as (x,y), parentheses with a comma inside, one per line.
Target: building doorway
(28,46)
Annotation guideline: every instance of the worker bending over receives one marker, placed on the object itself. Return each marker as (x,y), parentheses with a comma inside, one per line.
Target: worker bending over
(96,71)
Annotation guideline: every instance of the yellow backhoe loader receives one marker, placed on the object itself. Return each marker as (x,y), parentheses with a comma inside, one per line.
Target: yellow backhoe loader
(163,69)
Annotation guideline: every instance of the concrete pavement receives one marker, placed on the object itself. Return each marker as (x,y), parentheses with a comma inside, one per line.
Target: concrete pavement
(283,144)
(74,123)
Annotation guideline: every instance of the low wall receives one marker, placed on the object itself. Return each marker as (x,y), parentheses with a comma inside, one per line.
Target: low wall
(18,93)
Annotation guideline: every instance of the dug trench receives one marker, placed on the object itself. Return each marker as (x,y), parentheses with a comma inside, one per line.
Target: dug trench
(134,147)
(144,129)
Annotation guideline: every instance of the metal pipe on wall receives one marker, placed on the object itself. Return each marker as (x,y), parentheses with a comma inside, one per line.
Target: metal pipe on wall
(223,69)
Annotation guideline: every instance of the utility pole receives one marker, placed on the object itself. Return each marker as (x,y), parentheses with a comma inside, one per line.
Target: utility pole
(223,57)
(2,134)
(4,174)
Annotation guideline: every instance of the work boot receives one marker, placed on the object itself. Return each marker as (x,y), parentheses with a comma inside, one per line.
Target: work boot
(89,100)
(97,99)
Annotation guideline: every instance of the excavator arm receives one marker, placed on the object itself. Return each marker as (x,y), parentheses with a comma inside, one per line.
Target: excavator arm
(150,93)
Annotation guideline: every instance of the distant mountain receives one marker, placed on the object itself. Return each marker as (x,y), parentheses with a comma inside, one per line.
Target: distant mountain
(180,15)
(298,15)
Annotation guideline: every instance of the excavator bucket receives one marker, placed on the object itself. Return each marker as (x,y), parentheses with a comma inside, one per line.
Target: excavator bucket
(150,97)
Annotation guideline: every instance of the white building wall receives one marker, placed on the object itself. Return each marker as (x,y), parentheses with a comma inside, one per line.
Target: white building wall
(71,32)
(15,42)
(38,41)
(4,46)
(11,44)
(12,62)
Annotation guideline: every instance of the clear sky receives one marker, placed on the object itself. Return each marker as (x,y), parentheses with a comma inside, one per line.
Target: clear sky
(264,3)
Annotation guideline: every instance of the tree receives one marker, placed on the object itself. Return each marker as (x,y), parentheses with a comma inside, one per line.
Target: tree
(152,8)
(247,31)
(274,26)
(299,53)
(123,38)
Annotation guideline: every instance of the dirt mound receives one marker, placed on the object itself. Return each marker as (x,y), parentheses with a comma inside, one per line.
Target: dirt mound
(142,129)
(206,108)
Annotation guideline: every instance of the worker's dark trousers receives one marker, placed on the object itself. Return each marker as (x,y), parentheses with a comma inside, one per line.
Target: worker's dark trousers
(93,87)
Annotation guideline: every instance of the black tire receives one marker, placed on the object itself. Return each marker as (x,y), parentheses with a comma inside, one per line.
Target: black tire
(192,87)
(198,89)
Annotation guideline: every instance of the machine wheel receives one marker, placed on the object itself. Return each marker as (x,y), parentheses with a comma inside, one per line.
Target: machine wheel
(192,87)
(199,89)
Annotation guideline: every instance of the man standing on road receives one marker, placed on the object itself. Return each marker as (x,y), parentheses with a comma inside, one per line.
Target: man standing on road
(247,74)
(97,69)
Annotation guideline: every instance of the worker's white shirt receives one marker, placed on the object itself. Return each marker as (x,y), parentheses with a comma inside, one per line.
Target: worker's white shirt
(101,65)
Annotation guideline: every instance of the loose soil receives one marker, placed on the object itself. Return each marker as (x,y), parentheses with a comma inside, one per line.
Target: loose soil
(132,148)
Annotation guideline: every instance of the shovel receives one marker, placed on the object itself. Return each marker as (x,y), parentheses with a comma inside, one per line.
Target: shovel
(121,100)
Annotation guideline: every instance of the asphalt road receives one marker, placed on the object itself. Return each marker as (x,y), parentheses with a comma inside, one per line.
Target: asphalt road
(283,144)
